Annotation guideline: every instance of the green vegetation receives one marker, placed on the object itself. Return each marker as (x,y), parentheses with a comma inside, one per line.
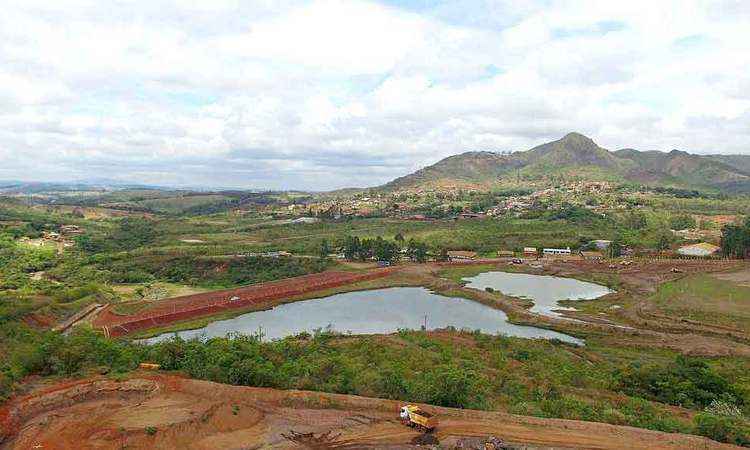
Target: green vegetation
(541,378)
(193,242)
(707,299)
(364,249)
(682,222)
(207,272)
(129,233)
(720,428)
(735,240)
(686,382)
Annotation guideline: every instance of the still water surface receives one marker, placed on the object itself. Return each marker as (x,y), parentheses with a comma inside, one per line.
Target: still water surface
(371,312)
(544,290)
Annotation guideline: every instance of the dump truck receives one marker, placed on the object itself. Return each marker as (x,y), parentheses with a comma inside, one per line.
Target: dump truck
(414,416)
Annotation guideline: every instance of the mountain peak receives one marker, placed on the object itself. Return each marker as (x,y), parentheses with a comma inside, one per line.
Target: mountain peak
(576,135)
(580,156)
(578,140)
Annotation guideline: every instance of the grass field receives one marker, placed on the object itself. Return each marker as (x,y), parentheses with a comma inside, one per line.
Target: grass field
(707,299)
(487,236)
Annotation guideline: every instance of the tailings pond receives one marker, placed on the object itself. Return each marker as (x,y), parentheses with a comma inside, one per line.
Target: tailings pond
(544,290)
(371,312)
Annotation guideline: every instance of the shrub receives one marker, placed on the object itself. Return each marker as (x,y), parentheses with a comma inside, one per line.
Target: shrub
(687,382)
(392,384)
(731,430)
(453,386)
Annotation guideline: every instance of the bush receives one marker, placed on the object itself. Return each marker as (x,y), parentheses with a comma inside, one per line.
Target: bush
(687,382)
(731,430)
(392,384)
(681,222)
(210,273)
(453,386)
(77,293)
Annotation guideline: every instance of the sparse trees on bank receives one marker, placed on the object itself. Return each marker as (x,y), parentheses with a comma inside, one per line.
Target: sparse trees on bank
(356,249)
(735,240)
(385,250)
(324,249)
(417,251)
(614,250)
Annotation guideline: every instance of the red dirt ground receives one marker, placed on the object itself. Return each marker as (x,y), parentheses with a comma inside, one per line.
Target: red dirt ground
(163,411)
(199,305)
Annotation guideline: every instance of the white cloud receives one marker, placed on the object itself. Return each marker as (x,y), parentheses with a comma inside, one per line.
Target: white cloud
(287,93)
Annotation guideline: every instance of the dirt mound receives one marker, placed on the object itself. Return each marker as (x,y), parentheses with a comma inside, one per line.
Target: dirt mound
(426,439)
(160,411)
(168,311)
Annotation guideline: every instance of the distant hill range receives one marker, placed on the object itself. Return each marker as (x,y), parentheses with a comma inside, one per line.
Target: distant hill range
(576,156)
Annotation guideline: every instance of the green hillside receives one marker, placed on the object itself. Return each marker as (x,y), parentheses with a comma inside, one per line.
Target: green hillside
(579,157)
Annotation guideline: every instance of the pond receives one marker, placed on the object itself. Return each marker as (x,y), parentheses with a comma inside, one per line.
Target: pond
(372,312)
(544,290)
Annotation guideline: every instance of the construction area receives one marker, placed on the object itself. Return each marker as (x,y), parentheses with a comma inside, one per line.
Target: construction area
(152,409)
(148,411)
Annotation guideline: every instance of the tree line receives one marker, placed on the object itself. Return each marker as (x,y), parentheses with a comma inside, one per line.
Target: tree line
(735,240)
(355,248)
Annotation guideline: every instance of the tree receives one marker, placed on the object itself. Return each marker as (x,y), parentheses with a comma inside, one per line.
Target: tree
(399,238)
(324,250)
(385,250)
(664,241)
(351,248)
(366,247)
(417,251)
(635,221)
(90,244)
(133,232)
(615,248)
(442,254)
(735,240)
(6,241)
(681,222)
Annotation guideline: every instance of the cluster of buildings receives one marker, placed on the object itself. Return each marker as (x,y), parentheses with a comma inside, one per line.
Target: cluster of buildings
(595,195)
(60,239)
(598,253)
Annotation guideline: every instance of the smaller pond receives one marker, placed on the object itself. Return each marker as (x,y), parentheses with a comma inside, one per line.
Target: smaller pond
(372,312)
(544,290)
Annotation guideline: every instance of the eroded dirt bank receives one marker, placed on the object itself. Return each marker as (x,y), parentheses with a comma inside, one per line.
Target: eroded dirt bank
(165,411)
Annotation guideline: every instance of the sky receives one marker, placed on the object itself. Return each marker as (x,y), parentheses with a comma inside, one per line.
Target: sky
(324,94)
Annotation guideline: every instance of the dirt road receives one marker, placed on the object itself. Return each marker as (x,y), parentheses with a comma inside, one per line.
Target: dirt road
(163,411)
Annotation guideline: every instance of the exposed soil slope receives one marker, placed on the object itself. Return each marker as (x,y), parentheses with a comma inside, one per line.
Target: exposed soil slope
(163,411)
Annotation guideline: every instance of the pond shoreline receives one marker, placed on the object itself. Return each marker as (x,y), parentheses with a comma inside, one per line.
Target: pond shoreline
(544,292)
(378,311)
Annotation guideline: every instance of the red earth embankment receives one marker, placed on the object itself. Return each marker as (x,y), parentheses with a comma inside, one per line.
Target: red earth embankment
(152,410)
(178,309)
